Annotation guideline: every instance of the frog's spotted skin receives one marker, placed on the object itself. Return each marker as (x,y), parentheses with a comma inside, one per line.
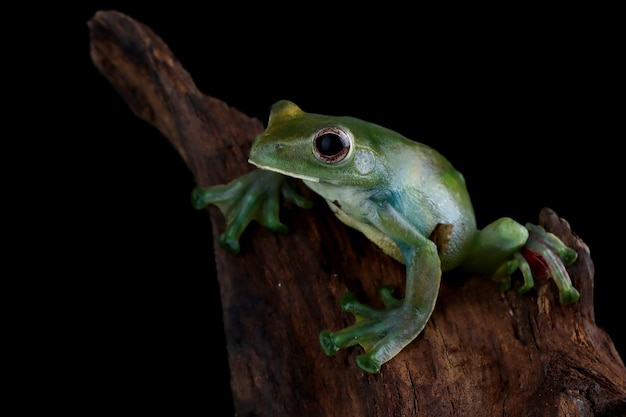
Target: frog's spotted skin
(402,195)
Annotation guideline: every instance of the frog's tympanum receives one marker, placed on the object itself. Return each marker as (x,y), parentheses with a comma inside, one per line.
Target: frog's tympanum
(405,197)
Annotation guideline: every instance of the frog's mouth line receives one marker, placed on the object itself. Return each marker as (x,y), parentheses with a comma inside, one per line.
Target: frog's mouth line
(289,174)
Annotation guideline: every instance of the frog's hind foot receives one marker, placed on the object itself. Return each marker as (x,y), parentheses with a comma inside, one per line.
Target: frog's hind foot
(382,333)
(548,256)
(543,256)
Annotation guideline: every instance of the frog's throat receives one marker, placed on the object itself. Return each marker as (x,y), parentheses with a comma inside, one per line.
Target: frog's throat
(289,174)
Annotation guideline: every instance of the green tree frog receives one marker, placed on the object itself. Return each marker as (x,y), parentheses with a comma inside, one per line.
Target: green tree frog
(405,197)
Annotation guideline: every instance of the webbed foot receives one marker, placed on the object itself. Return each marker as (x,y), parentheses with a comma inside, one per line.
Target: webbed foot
(543,256)
(382,333)
(253,196)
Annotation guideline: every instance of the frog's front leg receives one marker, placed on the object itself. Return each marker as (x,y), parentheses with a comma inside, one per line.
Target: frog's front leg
(384,333)
(505,246)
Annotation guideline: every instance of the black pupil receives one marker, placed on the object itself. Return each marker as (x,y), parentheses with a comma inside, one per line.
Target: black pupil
(329,144)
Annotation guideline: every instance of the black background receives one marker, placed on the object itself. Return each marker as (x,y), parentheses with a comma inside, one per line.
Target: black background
(526,110)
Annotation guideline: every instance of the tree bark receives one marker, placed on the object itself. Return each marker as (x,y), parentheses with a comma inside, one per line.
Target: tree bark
(483,352)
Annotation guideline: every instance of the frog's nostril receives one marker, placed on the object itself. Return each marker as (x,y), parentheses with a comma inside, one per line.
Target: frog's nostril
(278,146)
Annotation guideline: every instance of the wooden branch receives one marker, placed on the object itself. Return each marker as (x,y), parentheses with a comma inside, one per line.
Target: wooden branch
(482,353)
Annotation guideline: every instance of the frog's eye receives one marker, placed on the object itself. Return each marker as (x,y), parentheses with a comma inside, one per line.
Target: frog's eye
(331,145)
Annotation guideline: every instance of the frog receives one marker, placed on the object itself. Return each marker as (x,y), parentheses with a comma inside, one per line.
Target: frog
(405,197)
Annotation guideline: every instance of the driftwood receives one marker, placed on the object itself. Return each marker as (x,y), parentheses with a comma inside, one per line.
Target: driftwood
(483,353)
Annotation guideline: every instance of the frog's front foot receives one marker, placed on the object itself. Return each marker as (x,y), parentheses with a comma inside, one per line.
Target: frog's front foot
(253,196)
(382,333)
(543,256)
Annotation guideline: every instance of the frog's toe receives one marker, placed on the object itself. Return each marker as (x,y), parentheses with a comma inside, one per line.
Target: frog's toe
(568,296)
(505,283)
(358,333)
(350,304)
(524,267)
(503,274)
(197,198)
(201,197)
(568,256)
(327,341)
(389,300)
(368,364)
(230,243)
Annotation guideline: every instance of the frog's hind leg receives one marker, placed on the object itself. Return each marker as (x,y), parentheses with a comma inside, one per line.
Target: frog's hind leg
(505,246)
(384,333)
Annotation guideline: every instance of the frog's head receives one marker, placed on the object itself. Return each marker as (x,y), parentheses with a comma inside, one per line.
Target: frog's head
(318,148)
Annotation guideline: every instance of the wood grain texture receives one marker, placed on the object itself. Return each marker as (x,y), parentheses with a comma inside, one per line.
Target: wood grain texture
(482,353)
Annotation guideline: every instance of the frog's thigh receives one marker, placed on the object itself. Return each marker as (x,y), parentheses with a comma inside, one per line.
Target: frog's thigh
(495,244)
(373,234)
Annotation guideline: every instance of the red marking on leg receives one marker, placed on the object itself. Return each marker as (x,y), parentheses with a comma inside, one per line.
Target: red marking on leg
(538,265)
